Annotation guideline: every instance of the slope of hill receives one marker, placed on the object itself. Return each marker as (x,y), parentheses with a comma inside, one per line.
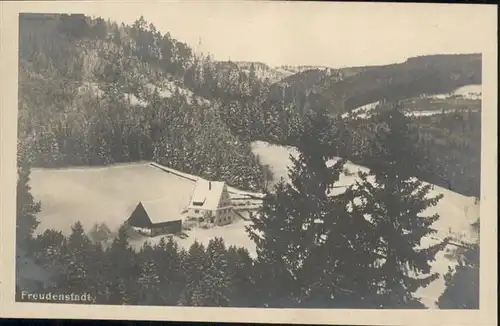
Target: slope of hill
(94,93)
(420,75)
(462,99)
(263,72)
(348,88)
(61,125)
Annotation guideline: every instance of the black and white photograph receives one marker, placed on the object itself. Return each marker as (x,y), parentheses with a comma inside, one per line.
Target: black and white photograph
(248,155)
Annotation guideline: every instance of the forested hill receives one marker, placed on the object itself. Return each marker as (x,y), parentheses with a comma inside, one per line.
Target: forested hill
(348,88)
(94,92)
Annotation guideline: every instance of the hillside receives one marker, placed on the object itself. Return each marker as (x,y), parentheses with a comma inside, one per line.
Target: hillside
(348,88)
(95,93)
(262,71)
(88,86)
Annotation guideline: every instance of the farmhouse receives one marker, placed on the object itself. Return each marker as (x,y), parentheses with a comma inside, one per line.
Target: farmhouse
(211,203)
(151,218)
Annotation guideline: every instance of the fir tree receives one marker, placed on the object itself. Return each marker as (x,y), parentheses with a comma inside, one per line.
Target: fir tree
(215,285)
(172,277)
(149,278)
(240,274)
(462,282)
(121,288)
(195,266)
(97,276)
(27,207)
(290,230)
(393,201)
(78,255)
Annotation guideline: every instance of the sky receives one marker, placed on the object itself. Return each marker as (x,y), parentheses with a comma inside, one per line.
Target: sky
(310,33)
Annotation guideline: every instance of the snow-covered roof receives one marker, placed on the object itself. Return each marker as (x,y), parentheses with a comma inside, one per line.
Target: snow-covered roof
(207,194)
(160,211)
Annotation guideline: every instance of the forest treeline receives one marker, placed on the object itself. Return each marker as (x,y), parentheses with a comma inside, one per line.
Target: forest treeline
(314,248)
(92,92)
(345,89)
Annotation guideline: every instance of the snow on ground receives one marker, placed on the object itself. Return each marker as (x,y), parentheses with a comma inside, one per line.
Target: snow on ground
(166,90)
(233,234)
(104,194)
(457,212)
(362,111)
(110,194)
(471,92)
(468,92)
(426,113)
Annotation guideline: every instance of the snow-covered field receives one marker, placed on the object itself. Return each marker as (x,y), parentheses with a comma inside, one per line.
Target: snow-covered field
(110,194)
(104,194)
(426,113)
(457,212)
(472,92)
(468,92)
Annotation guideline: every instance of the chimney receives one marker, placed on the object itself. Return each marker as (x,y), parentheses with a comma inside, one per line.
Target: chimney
(209,185)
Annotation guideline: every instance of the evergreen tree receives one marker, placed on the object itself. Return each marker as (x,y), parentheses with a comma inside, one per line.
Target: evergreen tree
(241,276)
(462,282)
(78,255)
(27,207)
(215,285)
(97,275)
(393,200)
(296,218)
(195,266)
(172,276)
(121,288)
(149,278)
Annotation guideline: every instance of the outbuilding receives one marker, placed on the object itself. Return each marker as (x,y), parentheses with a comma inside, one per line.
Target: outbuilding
(152,218)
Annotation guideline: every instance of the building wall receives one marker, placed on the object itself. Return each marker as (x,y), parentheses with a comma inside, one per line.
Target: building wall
(170,227)
(220,216)
(225,216)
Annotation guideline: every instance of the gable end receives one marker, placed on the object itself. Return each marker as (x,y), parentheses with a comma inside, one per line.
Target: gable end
(139,217)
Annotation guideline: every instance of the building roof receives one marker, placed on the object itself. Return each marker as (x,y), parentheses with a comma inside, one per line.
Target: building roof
(159,211)
(207,194)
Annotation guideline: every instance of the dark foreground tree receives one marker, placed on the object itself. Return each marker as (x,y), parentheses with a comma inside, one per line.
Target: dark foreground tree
(394,202)
(298,233)
(195,266)
(78,255)
(27,207)
(462,282)
(215,285)
(172,278)
(122,270)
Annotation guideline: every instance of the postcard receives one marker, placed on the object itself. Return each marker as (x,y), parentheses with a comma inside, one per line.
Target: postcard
(249,161)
